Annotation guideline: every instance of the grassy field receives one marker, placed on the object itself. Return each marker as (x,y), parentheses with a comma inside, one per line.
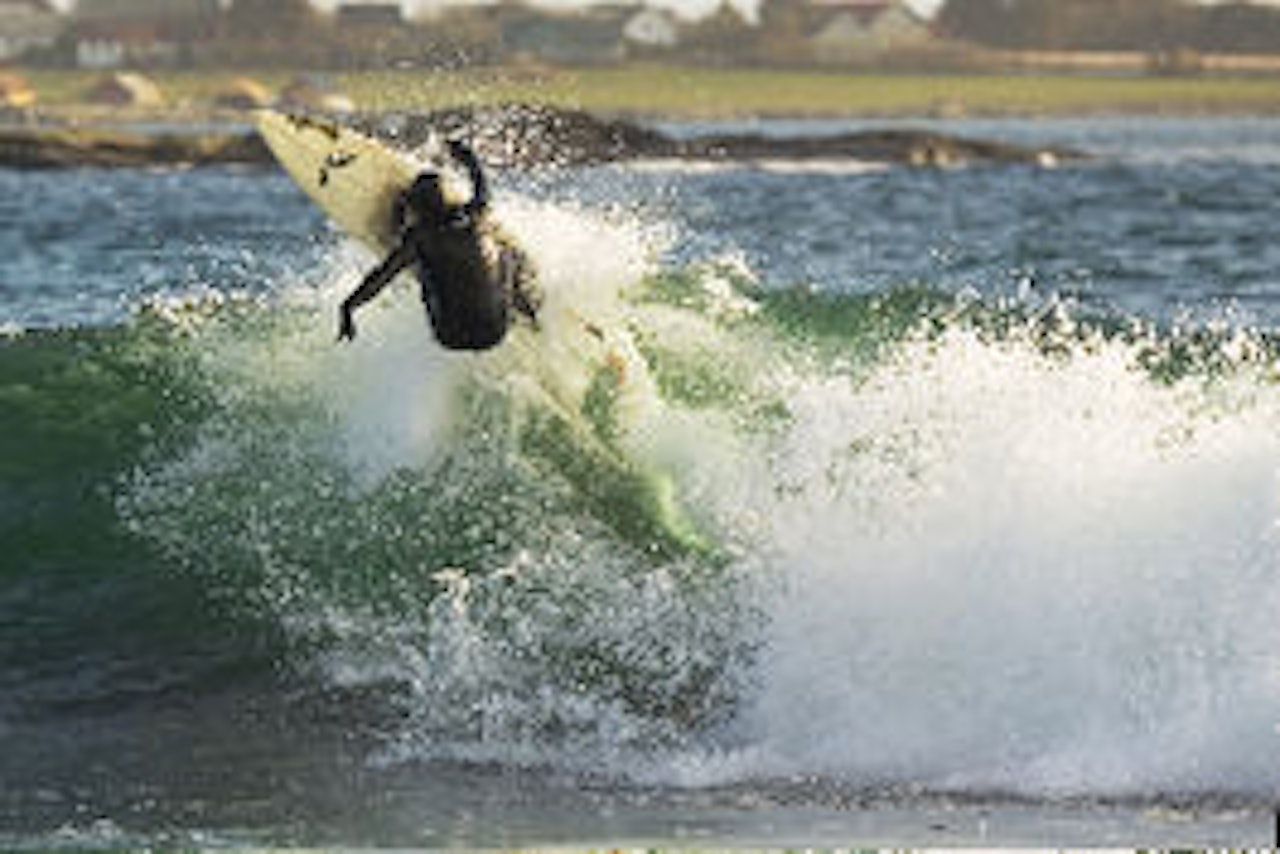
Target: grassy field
(683,92)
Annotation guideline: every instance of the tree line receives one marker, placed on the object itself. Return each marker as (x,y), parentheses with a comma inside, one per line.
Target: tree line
(1131,25)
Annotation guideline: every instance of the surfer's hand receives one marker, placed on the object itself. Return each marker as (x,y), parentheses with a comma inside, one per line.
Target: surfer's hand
(346,325)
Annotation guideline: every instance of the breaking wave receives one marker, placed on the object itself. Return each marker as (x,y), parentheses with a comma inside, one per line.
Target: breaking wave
(899,539)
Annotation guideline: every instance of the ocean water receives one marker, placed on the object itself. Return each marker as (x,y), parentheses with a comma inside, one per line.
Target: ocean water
(905,507)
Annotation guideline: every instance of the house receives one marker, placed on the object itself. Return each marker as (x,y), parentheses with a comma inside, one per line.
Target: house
(838,31)
(125,90)
(652,29)
(103,46)
(853,30)
(27,25)
(115,33)
(593,36)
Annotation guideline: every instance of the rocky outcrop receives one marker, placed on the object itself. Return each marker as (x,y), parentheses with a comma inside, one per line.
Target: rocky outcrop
(61,148)
(909,147)
(518,137)
(527,136)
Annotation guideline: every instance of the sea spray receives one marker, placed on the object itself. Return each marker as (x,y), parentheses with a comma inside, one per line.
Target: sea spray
(444,525)
(957,547)
(1002,568)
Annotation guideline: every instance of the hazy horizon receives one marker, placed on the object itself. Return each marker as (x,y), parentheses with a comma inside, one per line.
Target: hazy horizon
(687,8)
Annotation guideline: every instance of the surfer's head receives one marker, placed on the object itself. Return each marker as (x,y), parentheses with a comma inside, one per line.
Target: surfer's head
(426,198)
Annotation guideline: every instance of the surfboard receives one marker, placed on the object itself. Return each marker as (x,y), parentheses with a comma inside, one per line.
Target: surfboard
(352,177)
(356,179)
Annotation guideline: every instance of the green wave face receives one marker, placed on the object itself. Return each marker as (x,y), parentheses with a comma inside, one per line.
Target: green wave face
(522,573)
(440,518)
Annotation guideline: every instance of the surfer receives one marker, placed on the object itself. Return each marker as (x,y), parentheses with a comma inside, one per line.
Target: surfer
(471,275)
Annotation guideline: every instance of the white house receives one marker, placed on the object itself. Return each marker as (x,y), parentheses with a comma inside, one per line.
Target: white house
(114,33)
(655,29)
(861,29)
(99,54)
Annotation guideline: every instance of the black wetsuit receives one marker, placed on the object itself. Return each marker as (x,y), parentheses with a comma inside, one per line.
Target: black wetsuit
(471,280)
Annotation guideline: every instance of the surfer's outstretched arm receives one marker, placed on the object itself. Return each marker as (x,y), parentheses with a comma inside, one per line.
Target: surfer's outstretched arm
(379,277)
(399,212)
(479,186)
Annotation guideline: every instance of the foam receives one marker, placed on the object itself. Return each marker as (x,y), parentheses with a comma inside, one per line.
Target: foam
(975,564)
(1003,570)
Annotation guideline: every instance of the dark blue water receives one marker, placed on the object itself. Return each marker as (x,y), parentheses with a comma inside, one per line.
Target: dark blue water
(979,570)
(1173,216)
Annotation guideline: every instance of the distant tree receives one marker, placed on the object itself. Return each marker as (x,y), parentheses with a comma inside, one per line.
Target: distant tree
(981,21)
(1238,28)
(723,37)
(1145,25)
(1040,23)
(465,35)
(1070,24)
(783,26)
(270,34)
(271,19)
(1005,23)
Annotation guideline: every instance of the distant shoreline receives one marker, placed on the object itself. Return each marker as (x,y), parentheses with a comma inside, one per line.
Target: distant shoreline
(655,92)
(63,132)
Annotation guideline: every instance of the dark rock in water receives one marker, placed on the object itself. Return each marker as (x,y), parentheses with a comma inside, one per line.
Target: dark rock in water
(518,136)
(60,148)
(527,136)
(911,147)
(530,136)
